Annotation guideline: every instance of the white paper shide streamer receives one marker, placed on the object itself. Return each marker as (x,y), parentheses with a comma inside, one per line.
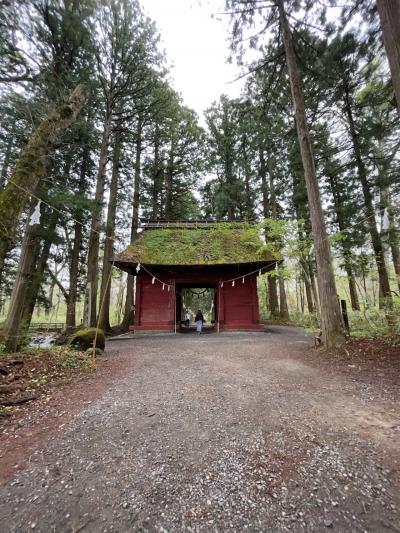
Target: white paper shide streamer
(35,216)
(385,220)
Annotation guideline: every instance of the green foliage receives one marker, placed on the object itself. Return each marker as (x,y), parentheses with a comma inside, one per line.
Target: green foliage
(230,156)
(372,322)
(219,244)
(308,321)
(72,359)
(198,299)
(65,357)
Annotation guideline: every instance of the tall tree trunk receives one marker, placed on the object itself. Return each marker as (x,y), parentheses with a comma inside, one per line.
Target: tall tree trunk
(90,313)
(394,245)
(346,251)
(31,166)
(74,277)
(272,293)
(314,289)
(247,174)
(301,294)
(228,151)
(331,320)
(273,302)
(130,282)
(370,211)
(169,177)
(157,182)
(307,285)
(6,163)
(389,14)
(25,273)
(391,233)
(105,290)
(137,181)
(264,183)
(76,248)
(275,311)
(38,274)
(355,304)
(283,306)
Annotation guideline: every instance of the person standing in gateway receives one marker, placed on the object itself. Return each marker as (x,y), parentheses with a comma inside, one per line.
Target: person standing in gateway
(187,318)
(199,320)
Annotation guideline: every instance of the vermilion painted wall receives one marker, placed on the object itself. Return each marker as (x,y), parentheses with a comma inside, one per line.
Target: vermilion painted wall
(241,304)
(236,307)
(154,307)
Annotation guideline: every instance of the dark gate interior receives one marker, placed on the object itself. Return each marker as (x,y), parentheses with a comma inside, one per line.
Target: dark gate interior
(191,297)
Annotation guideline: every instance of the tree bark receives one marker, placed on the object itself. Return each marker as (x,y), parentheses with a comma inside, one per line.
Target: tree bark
(394,245)
(370,211)
(346,251)
(276,311)
(264,183)
(76,248)
(157,177)
(105,290)
(38,274)
(331,320)
(272,293)
(130,282)
(283,306)
(25,273)
(31,165)
(314,289)
(94,237)
(169,177)
(391,234)
(137,181)
(307,285)
(273,302)
(228,151)
(389,14)
(6,164)
(247,174)
(355,304)
(301,294)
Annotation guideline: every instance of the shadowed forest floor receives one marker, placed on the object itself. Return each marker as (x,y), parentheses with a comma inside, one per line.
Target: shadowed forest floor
(239,431)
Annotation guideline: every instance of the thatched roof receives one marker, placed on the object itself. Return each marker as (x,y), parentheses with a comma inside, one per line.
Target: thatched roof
(216,244)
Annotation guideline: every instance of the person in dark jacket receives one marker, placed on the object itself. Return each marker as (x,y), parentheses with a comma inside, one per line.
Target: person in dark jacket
(199,320)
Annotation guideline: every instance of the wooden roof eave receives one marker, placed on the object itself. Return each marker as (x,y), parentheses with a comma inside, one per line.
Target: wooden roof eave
(223,268)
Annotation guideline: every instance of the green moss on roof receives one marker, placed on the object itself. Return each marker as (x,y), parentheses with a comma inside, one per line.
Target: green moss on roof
(221,243)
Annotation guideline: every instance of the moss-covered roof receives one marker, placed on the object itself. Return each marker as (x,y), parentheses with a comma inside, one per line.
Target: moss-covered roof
(217,244)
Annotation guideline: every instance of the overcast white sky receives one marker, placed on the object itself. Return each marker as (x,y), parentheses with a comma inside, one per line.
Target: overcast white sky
(197,47)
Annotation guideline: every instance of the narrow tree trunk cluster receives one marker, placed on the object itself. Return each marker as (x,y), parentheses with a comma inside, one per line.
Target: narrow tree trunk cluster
(331,320)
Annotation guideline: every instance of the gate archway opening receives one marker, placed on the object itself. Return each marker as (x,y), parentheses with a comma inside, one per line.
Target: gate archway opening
(191,298)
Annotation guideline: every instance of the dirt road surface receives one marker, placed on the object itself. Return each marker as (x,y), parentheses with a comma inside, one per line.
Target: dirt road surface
(236,432)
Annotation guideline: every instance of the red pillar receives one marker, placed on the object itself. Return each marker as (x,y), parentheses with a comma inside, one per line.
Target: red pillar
(172,302)
(256,312)
(221,306)
(138,300)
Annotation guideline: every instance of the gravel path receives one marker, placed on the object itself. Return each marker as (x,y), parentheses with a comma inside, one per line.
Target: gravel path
(217,433)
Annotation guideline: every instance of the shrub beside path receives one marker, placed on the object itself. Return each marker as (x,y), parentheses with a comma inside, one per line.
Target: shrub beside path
(217,433)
